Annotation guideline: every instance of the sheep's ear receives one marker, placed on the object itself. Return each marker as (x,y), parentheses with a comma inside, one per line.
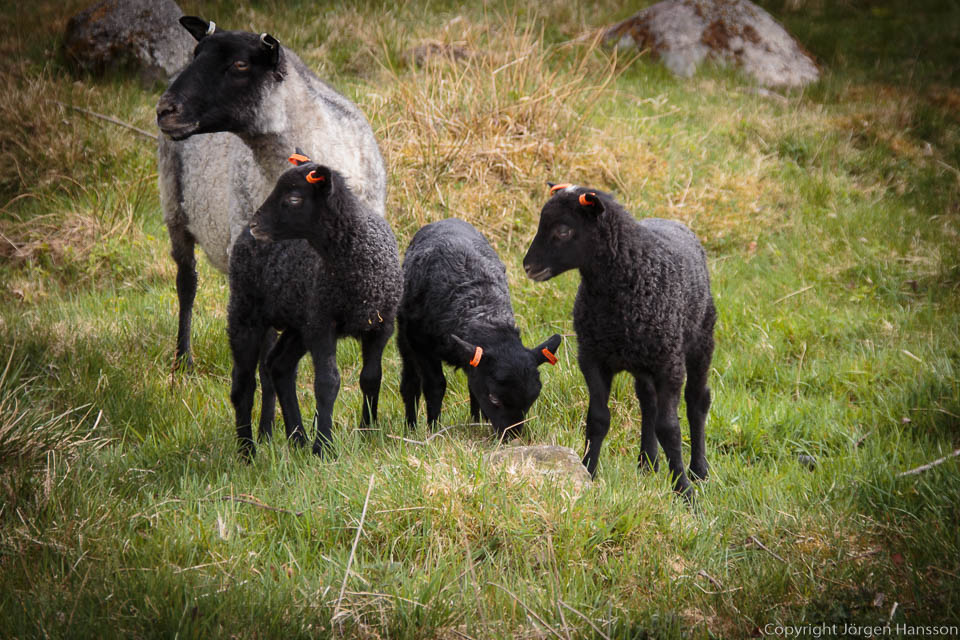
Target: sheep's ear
(468,354)
(592,203)
(547,351)
(272,46)
(198,27)
(551,185)
(320,178)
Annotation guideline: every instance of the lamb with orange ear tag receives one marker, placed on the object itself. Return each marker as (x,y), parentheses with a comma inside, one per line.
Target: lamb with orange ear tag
(456,309)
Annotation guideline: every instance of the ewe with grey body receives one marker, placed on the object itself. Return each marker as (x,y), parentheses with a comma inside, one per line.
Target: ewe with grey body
(643,306)
(255,101)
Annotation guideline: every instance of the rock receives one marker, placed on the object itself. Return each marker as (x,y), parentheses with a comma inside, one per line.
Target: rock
(560,464)
(144,34)
(683,33)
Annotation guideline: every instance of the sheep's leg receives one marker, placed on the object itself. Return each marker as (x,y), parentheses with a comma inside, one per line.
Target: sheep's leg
(244,344)
(183,254)
(647,396)
(326,386)
(598,380)
(434,387)
(668,433)
(372,344)
(410,384)
(282,364)
(474,407)
(697,397)
(268,395)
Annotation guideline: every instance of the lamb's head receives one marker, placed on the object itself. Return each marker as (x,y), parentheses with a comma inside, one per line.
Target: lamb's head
(303,204)
(566,237)
(223,87)
(504,378)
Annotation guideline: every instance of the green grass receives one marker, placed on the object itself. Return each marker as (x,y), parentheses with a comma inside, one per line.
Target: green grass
(831,220)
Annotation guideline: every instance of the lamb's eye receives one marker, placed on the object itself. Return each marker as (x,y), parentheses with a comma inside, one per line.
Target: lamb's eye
(241,65)
(293,200)
(563,233)
(494,400)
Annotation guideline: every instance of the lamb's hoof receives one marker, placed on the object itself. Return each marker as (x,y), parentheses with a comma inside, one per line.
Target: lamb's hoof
(182,363)
(698,472)
(247,451)
(644,464)
(323,450)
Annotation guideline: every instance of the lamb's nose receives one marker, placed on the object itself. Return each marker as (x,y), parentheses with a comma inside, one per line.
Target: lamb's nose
(166,107)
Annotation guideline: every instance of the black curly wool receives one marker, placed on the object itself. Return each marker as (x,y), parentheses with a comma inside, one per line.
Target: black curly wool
(456,299)
(644,306)
(342,280)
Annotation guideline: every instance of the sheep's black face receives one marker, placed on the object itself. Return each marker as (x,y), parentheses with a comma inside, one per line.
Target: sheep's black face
(565,236)
(297,206)
(223,86)
(506,382)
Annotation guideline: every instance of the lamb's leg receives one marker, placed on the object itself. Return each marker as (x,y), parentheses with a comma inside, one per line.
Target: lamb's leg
(372,344)
(326,386)
(282,364)
(182,251)
(268,395)
(647,396)
(410,385)
(697,396)
(668,433)
(474,407)
(434,387)
(244,344)
(598,380)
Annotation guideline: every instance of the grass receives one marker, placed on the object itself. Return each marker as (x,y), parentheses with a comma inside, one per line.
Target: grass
(831,219)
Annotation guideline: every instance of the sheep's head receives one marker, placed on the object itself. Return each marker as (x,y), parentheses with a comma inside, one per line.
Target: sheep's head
(223,87)
(566,234)
(504,378)
(301,205)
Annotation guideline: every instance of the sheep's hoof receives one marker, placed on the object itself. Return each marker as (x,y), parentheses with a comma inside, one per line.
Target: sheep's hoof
(182,363)
(247,452)
(323,450)
(698,472)
(644,464)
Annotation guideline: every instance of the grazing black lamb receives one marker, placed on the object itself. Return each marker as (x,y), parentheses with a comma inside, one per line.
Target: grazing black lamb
(456,309)
(336,274)
(255,101)
(643,306)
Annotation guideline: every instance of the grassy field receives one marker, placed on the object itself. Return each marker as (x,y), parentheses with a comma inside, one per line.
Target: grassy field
(831,218)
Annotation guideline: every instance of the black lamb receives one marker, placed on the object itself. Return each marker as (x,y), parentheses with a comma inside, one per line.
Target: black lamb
(643,306)
(336,275)
(456,309)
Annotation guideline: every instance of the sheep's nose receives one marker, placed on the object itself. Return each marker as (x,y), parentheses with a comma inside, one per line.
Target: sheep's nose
(167,107)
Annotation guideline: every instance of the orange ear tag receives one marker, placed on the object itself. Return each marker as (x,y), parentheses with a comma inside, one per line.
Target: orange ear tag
(557,187)
(297,159)
(552,359)
(583,198)
(476,357)
(313,178)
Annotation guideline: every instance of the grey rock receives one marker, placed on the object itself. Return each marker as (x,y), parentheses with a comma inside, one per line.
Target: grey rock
(559,464)
(143,34)
(683,33)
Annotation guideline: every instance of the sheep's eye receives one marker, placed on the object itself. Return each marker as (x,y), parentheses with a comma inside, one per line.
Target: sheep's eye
(494,400)
(293,200)
(241,65)
(563,233)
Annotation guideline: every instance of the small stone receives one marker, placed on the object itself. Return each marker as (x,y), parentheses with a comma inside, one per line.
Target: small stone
(543,460)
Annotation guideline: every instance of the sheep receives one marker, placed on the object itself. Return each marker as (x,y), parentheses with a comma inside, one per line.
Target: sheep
(253,100)
(643,306)
(456,309)
(317,264)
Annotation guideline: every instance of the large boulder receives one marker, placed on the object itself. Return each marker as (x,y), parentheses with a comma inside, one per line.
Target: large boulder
(683,33)
(143,34)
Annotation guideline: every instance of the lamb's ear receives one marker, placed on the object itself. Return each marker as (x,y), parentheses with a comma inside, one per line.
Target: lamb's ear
(198,27)
(467,354)
(272,46)
(592,203)
(547,351)
(551,184)
(321,179)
